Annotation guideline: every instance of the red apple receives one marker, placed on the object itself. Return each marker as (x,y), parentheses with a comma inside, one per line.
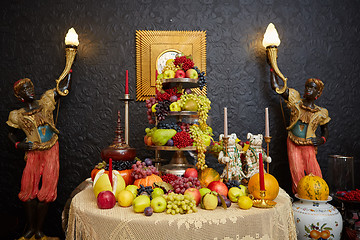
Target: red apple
(218,187)
(195,193)
(191,73)
(180,73)
(191,172)
(106,200)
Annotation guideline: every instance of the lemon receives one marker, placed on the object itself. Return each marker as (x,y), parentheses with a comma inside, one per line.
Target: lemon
(125,198)
(245,202)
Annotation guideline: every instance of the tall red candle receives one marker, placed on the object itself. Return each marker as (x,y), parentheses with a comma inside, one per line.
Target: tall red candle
(261,173)
(110,171)
(127,83)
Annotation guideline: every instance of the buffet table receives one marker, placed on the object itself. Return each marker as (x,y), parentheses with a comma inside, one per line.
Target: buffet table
(87,221)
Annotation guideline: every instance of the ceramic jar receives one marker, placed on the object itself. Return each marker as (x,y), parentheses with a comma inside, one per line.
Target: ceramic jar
(317,220)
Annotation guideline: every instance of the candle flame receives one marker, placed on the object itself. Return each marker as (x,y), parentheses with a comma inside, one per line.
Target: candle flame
(271,36)
(72,37)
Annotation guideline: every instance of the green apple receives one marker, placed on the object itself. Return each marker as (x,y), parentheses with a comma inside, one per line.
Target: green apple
(169,74)
(158,204)
(203,191)
(157,192)
(207,139)
(234,194)
(191,73)
(140,203)
(133,189)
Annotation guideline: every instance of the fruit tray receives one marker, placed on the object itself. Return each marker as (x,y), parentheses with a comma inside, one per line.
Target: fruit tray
(184,82)
(171,148)
(182,113)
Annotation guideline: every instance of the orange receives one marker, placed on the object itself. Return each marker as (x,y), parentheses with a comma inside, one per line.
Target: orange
(271,186)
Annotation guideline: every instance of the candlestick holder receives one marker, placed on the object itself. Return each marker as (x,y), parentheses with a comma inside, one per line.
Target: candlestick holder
(262,202)
(267,140)
(118,150)
(126,99)
(225,146)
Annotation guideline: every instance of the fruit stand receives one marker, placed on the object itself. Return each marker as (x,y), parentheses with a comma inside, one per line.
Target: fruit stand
(87,221)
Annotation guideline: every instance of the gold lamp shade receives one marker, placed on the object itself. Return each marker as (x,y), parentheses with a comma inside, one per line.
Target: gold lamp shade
(71,38)
(271,36)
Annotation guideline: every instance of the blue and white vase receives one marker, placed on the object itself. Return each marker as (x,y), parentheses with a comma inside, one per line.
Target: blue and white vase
(317,220)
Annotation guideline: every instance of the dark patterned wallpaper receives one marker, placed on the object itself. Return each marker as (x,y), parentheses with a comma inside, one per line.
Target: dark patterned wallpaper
(319,39)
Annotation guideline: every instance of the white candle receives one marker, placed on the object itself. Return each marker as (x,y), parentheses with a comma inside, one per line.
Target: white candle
(267,131)
(225,122)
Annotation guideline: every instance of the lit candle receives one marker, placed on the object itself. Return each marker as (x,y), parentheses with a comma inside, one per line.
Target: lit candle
(261,173)
(267,131)
(71,38)
(127,83)
(110,171)
(225,122)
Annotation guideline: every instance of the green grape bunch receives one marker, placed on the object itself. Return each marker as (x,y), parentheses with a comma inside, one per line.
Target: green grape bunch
(178,203)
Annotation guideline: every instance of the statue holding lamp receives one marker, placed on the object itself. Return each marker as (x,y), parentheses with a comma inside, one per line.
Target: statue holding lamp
(41,173)
(305,117)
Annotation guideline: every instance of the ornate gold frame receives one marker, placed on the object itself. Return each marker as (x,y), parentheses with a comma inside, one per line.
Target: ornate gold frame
(149,46)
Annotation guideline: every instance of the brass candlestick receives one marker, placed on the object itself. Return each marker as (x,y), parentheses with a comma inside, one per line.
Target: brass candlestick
(126,99)
(262,202)
(267,140)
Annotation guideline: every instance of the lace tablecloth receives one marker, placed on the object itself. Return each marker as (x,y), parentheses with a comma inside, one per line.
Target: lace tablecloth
(86,221)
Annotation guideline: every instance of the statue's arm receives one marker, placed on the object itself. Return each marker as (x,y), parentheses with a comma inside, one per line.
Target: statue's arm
(275,84)
(22,145)
(64,85)
(324,136)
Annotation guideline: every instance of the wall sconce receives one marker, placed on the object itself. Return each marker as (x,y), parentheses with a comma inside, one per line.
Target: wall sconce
(71,42)
(271,42)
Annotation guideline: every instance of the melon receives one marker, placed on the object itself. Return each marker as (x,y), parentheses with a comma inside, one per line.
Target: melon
(102,182)
(313,188)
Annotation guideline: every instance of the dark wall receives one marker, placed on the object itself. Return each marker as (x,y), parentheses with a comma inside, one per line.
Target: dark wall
(319,39)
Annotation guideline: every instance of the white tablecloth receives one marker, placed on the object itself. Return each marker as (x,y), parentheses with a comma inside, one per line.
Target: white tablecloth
(87,221)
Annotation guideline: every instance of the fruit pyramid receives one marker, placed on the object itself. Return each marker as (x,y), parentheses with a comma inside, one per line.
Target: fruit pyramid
(176,99)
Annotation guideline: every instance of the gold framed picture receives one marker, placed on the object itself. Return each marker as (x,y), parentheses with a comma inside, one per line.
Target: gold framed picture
(154,48)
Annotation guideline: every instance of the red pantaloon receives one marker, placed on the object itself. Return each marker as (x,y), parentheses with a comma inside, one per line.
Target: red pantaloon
(44,166)
(301,158)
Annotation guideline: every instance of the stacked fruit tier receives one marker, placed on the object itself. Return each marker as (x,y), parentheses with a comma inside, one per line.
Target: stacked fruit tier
(179,113)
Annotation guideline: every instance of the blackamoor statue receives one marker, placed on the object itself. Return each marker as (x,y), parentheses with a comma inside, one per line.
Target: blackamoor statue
(305,118)
(41,172)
